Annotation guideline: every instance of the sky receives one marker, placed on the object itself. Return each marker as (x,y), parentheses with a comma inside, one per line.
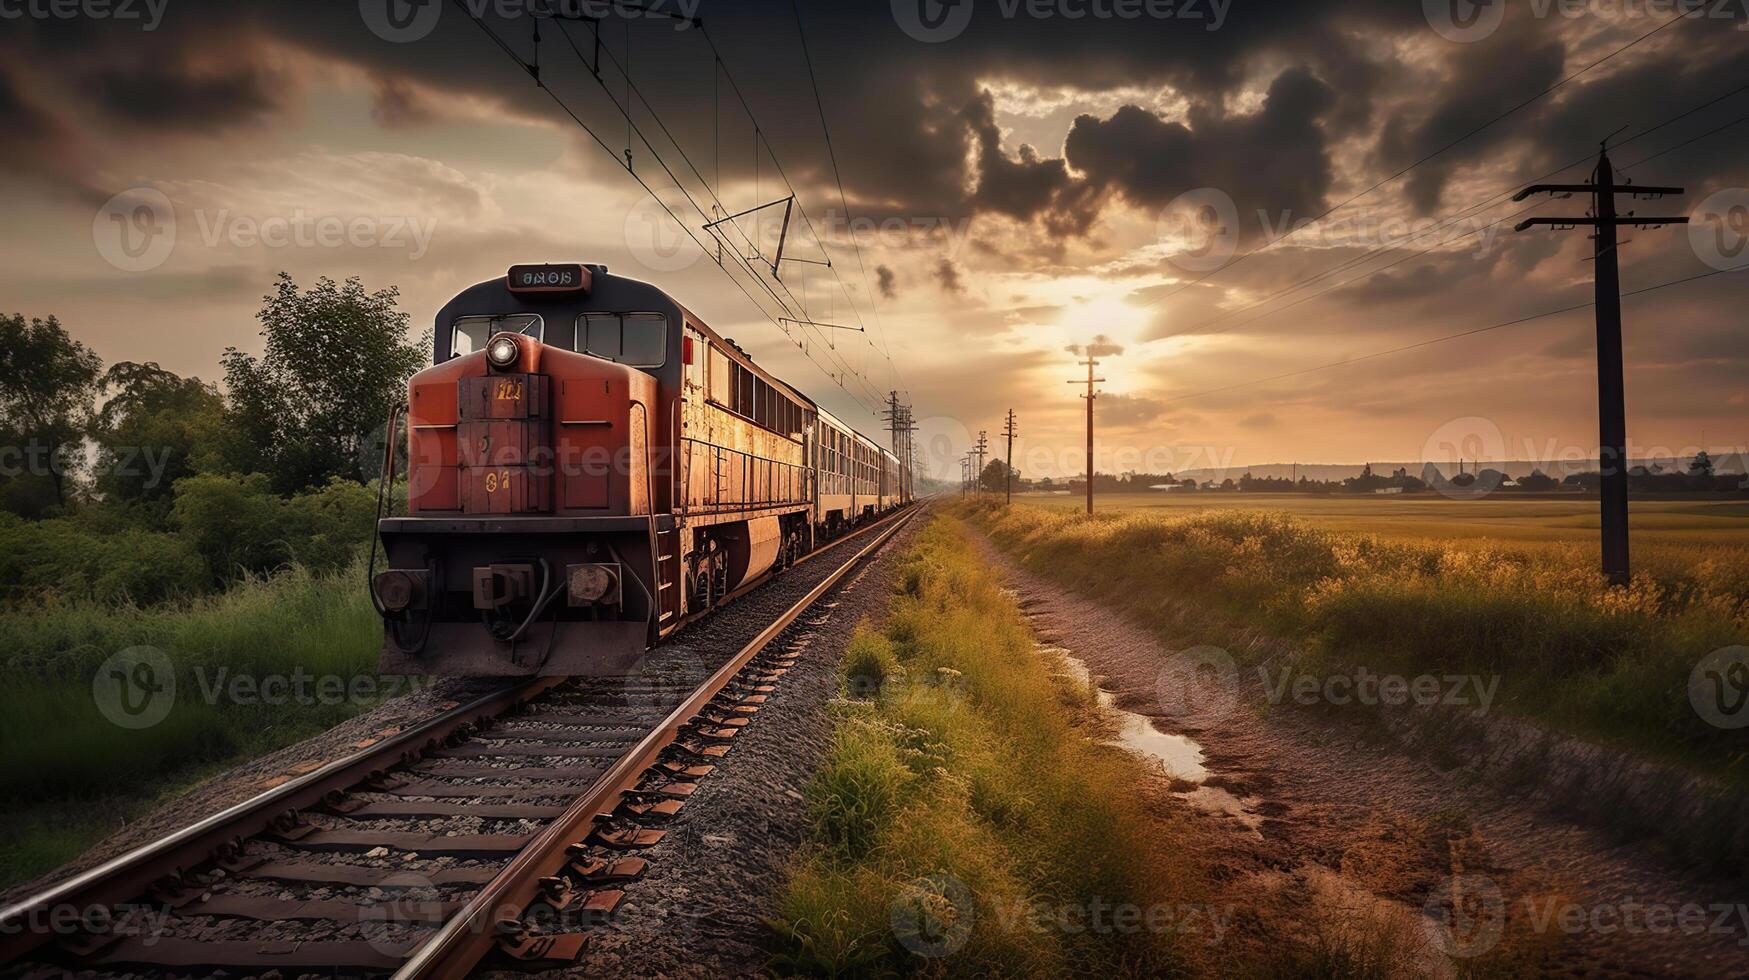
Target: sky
(1223,199)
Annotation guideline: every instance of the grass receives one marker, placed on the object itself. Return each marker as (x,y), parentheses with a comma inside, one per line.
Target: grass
(961,813)
(74,775)
(1498,519)
(969,821)
(1612,665)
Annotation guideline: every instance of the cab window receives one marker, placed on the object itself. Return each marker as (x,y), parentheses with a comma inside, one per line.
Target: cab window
(634,339)
(470,333)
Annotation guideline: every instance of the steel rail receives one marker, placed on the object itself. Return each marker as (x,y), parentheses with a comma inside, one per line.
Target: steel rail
(132,874)
(471,934)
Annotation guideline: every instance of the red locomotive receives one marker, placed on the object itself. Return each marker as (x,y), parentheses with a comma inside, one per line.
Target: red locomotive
(590,467)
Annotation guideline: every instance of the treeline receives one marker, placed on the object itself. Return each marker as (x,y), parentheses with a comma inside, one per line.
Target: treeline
(133,483)
(1699,476)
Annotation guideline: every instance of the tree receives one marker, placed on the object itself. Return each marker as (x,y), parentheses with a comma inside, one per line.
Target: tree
(47,383)
(1538,480)
(1702,466)
(336,360)
(995,476)
(151,432)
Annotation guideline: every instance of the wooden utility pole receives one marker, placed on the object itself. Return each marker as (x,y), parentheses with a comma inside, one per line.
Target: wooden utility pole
(1008,478)
(899,422)
(981,450)
(1611,394)
(1090,396)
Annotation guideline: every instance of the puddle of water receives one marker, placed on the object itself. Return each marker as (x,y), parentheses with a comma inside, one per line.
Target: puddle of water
(1179,755)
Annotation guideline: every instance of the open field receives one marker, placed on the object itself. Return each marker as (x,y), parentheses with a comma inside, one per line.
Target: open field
(1505,589)
(1501,518)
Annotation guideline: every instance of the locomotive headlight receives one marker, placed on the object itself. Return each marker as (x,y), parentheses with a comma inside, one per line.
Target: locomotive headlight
(502,351)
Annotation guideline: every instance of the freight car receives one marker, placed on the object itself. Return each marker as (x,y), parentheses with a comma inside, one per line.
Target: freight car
(589,468)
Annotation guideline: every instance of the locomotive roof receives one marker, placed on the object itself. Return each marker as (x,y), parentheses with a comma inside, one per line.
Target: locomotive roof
(619,294)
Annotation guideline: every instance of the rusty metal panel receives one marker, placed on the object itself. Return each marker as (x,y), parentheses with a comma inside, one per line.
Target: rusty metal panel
(503,442)
(502,396)
(506,490)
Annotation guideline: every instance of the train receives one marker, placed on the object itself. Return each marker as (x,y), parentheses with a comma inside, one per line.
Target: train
(590,467)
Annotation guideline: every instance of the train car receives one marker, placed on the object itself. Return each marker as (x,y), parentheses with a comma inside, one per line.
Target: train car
(589,467)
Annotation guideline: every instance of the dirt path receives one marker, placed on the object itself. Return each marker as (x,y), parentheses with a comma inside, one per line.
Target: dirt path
(1314,811)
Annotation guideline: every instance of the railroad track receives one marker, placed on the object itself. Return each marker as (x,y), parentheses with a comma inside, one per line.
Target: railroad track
(501,828)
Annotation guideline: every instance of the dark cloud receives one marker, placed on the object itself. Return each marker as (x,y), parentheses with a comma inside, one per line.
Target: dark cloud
(1099,346)
(886,281)
(1480,81)
(399,103)
(948,275)
(35,144)
(1273,161)
(170,96)
(1122,409)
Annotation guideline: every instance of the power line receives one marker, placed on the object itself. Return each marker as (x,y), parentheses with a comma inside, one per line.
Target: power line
(843,200)
(534,71)
(1440,340)
(625,110)
(807,220)
(1382,182)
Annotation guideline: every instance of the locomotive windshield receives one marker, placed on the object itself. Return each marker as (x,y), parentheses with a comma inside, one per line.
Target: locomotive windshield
(472,332)
(637,340)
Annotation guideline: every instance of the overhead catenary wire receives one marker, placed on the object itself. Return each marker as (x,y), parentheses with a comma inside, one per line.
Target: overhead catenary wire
(625,109)
(843,369)
(838,176)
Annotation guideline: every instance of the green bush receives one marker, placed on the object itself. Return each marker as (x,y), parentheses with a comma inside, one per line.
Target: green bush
(65,757)
(64,559)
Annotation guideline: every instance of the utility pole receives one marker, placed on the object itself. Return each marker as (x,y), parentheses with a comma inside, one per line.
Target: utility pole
(1611,394)
(1008,478)
(898,418)
(1090,396)
(979,452)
